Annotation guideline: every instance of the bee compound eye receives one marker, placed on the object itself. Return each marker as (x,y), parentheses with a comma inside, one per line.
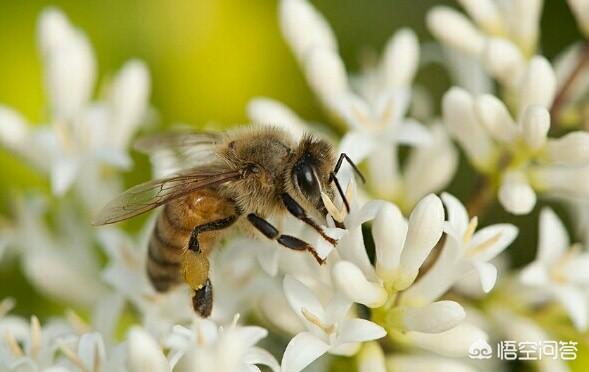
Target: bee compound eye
(305,179)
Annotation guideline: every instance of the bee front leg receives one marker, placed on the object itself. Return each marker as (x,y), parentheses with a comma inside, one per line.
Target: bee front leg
(296,210)
(287,241)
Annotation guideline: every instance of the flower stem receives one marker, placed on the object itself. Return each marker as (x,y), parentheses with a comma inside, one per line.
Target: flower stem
(561,95)
(481,198)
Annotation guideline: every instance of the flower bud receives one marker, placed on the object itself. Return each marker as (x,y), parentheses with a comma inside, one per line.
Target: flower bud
(535,124)
(459,117)
(572,149)
(455,30)
(485,14)
(580,9)
(504,61)
(401,58)
(424,231)
(371,358)
(352,282)
(454,342)
(516,195)
(388,230)
(571,180)
(538,85)
(494,116)
(433,318)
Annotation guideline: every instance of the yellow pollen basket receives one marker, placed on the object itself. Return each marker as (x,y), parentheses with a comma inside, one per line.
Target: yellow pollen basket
(195,269)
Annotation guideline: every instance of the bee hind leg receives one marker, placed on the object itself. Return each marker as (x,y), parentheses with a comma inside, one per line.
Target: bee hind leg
(202,301)
(287,241)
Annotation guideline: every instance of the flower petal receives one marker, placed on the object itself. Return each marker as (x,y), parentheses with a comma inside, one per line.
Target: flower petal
(357,145)
(576,304)
(487,274)
(256,355)
(268,111)
(301,351)
(144,354)
(553,240)
(412,132)
(490,241)
(433,318)
(299,297)
(359,330)
(352,282)
(457,215)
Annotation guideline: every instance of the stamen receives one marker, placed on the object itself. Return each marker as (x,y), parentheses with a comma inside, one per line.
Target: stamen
(12,344)
(35,336)
(6,305)
(327,328)
(77,323)
(73,357)
(470,229)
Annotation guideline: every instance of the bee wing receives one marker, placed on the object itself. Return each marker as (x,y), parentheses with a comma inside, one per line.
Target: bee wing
(149,195)
(171,152)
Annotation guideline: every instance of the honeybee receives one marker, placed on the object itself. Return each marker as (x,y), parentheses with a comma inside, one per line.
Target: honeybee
(240,179)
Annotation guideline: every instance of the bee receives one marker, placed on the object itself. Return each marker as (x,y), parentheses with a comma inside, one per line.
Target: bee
(239,179)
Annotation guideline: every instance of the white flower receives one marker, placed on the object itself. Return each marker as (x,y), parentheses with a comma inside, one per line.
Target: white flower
(209,347)
(580,9)
(375,111)
(502,34)
(560,270)
(144,353)
(81,136)
(464,250)
(328,327)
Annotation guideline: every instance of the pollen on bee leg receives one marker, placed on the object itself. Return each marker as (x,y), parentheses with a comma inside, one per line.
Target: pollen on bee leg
(195,269)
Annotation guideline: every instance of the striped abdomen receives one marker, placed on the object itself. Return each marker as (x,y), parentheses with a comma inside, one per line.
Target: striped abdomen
(169,240)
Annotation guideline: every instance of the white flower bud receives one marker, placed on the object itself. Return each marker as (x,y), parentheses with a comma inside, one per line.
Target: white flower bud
(516,195)
(69,64)
(388,230)
(460,119)
(580,9)
(371,358)
(454,342)
(424,231)
(13,129)
(565,179)
(572,149)
(433,318)
(535,124)
(504,61)
(401,58)
(271,112)
(455,30)
(494,116)
(326,74)
(352,282)
(304,27)
(526,20)
(538,85)
(144,354)
(129,95)
(485,14)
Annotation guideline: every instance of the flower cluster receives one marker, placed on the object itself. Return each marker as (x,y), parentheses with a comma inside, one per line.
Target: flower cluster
(412,283)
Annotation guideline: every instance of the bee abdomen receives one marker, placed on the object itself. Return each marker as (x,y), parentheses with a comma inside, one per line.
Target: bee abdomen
(168,243)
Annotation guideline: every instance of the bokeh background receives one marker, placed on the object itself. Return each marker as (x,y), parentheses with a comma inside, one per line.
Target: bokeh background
(207,59)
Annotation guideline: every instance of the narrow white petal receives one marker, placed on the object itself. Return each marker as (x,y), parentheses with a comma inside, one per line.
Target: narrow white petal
(515,193)
(538,85)
(256,355)
(534,274)
(567,180)
(63,175)
(413,133)
(144,353)
(455,30)
(457,215)
(299,297)
(401,57)
(357,145)
(580,9)
(388,230)
(424,231)
(129,96)
(326,75)
(91,350)
(490,241)
(495,117)
(486,14)
(304,27)
(359,330)
(576,269)
(301,351)
(271,112)
(352,282)
(433,318)
(487,274)
(535,124)
(572,148)
(553,239)
(461,121)
(454,342)
(576,304)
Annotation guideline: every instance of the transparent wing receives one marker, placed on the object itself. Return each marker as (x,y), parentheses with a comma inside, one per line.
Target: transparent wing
(171,152)
(149,195)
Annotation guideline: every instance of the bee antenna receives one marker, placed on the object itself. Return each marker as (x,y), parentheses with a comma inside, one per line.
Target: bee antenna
(340,191)
(352,164)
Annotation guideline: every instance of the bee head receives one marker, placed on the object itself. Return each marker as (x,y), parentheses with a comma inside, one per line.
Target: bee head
(309,174)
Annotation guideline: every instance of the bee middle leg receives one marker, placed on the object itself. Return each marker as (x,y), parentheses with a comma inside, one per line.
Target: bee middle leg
(287,241)
(296,210)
